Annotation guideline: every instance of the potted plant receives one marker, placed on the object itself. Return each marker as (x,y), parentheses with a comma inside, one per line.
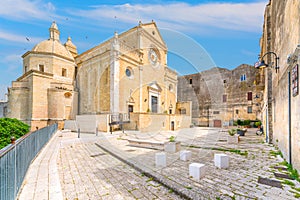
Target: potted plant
(232,137)
(258,124)
(241,132)
(172,145)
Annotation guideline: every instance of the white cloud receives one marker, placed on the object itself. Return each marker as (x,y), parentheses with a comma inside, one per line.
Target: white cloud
(26,9)
(233,16)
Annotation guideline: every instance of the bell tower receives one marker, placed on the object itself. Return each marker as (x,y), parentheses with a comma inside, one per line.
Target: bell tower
(54,32)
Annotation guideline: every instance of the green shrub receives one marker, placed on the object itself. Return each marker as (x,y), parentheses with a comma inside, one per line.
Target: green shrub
(247,122)
(257,124)
(172,139)
(11,128)
(232,132)
(240,122)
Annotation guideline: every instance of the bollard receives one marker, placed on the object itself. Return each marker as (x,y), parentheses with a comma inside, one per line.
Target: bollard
(79,133)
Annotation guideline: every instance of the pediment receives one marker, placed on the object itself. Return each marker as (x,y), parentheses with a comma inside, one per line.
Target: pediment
(154,86)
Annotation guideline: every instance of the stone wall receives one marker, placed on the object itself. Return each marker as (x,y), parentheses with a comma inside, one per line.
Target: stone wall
(151,122)
(281,35)
(222,94)
(3,109)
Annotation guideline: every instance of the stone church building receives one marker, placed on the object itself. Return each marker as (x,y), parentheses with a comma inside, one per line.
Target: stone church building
(124,79)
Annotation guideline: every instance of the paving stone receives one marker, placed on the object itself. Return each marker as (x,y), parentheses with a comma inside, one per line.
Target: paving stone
(85,169)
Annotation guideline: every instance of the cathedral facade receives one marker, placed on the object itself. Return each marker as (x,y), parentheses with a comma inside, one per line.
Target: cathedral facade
(126,76)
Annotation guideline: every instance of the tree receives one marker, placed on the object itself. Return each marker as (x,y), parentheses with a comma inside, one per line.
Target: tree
(11,128)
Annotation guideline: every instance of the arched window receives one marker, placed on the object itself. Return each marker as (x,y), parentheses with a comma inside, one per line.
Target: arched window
(171,88)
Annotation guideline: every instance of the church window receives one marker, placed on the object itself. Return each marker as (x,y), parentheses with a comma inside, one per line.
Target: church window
(64,72)
(171,88)
(26,69)
(129,72)
(41,68)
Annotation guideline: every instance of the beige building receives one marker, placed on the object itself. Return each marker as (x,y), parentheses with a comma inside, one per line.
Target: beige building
(45,93)
(125,76)
(281,110)
(221,96)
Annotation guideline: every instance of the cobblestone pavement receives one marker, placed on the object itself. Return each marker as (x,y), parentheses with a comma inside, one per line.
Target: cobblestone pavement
(249,159)
(88,172)
(106,167)
(84,171)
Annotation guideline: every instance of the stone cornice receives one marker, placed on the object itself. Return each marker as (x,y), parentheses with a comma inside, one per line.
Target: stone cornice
(46,53)
(35,72)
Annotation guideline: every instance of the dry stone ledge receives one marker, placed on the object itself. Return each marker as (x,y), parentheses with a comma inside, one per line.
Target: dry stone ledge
(197,170)
(146,144)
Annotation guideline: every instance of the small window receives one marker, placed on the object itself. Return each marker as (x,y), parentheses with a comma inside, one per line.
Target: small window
(182,111)
(191,81)
(224,98)
(216,112)
(249,96)
(130,108)
(41,68)
(237,112)
(249,109)
(25,69)
(243,77)
(64,72)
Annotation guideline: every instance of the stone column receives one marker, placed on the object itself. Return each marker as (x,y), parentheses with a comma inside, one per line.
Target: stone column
(114,75)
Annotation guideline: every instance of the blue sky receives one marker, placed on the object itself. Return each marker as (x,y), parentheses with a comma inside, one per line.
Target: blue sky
(227,32)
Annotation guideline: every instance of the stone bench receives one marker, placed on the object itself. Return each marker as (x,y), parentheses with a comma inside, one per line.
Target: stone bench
(146,144)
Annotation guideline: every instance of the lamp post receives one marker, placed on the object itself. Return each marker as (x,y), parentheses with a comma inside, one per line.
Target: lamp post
(261,63)
(269,118)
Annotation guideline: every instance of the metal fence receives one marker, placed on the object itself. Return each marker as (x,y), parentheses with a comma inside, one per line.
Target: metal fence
(15,160)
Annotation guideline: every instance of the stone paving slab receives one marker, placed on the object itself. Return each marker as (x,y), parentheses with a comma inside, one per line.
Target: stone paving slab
(238,181)
(105,167)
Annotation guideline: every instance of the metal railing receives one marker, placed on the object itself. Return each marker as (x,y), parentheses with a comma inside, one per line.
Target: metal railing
(16,158)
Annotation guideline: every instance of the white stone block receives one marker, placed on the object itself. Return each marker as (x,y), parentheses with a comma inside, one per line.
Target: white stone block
(185,155)
(221,161)
(172,147)
(197,170)
(160,159)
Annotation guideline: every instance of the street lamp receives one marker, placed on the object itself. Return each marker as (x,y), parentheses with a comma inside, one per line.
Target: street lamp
(261,63)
